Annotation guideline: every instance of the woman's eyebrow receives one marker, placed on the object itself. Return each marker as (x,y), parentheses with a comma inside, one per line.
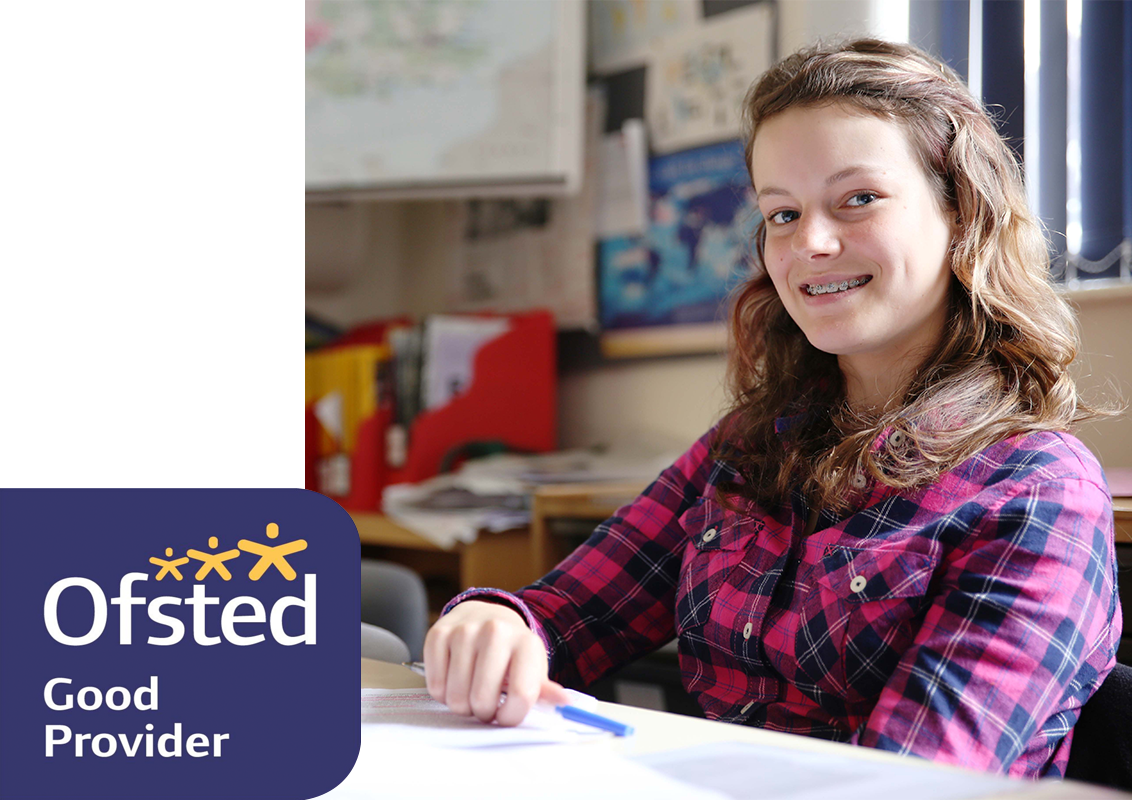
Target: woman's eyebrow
(768,191)
(848,172)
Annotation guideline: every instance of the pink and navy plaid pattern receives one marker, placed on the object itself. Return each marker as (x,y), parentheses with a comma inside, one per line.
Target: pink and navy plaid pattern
(965,623)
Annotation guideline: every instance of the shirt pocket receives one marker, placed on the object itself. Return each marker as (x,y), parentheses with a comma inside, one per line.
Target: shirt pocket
(866,576)
(717,541)
(861,616)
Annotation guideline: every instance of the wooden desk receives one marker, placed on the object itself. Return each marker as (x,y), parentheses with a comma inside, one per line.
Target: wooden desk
(657,731)
(508,560)
(502,560)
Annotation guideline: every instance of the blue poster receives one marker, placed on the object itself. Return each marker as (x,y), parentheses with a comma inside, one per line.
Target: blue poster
(702,221)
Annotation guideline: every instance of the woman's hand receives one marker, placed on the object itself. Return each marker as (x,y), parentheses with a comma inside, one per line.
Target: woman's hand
(476,651)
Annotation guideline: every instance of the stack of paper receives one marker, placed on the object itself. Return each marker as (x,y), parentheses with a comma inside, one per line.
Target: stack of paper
(492,493)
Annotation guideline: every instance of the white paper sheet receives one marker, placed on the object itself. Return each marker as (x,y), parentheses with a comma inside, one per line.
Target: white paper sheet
(741,770)
(451,344)
(411,715)
(623,195)
(445,528)
(402,771)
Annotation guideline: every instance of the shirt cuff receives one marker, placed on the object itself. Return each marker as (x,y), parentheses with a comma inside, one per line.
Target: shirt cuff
(504,599)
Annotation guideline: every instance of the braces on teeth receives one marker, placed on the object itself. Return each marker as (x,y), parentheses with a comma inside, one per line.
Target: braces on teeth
(826,288)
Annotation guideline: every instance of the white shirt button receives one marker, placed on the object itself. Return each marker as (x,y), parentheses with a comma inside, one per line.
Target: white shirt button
(747,630)
(857,584)
(710,534)
(859,481)
(747,707)
(896,438)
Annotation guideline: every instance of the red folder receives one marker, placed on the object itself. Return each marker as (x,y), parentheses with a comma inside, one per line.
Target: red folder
(513,399)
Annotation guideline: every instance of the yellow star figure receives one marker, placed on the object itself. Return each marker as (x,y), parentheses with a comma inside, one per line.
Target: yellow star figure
(213,561)
(272,555)
(168,567)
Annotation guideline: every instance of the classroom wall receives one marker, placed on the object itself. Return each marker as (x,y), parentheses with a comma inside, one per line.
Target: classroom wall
(800,22)
(1104,370)
(356,266)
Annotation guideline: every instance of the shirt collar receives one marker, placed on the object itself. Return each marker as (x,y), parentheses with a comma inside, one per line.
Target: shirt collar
(783,425)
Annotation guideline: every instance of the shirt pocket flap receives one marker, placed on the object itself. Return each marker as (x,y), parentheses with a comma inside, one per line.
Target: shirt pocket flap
(710,526)
(862,576)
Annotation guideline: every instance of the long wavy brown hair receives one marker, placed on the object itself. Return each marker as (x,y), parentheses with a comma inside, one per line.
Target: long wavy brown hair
(1002,366)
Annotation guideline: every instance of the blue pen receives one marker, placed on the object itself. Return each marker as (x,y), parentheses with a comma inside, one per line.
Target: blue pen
(572,713)
(575,714)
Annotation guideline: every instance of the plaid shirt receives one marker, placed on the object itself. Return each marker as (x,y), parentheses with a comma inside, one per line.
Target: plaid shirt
(965,623)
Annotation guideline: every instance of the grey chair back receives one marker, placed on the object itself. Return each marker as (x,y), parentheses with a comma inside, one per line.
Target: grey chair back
(381,645)
(394,598)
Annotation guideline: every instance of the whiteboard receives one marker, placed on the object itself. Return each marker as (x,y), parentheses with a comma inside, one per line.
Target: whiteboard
(449,98)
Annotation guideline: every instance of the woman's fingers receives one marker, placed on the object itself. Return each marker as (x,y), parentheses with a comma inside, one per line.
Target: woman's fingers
(436,662)
(525,676)
(461,662)
(493,652)
(553,693)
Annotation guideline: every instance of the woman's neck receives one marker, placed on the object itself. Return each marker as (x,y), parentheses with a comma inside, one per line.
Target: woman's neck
(874,387)
(877,381)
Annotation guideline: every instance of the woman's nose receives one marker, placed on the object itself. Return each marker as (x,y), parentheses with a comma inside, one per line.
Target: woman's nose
(816,236)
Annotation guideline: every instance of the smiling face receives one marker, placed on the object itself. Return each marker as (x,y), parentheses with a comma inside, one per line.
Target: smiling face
(856,241)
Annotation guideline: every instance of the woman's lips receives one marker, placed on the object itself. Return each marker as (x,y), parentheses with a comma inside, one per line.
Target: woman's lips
(835,285)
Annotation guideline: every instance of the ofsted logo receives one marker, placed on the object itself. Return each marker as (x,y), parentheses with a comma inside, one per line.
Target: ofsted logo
(242,618)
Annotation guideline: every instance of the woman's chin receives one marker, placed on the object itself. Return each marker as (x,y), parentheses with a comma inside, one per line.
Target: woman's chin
(835,345)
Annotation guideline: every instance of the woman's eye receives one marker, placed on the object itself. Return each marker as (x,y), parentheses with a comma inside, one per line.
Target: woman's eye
(783,217)
(861,199)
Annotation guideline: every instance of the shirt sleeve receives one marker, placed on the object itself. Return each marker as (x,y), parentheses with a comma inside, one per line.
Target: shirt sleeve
(613,599)
(1018,635)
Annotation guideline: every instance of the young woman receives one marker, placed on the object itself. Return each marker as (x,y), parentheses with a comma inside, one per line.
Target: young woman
(890,539)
